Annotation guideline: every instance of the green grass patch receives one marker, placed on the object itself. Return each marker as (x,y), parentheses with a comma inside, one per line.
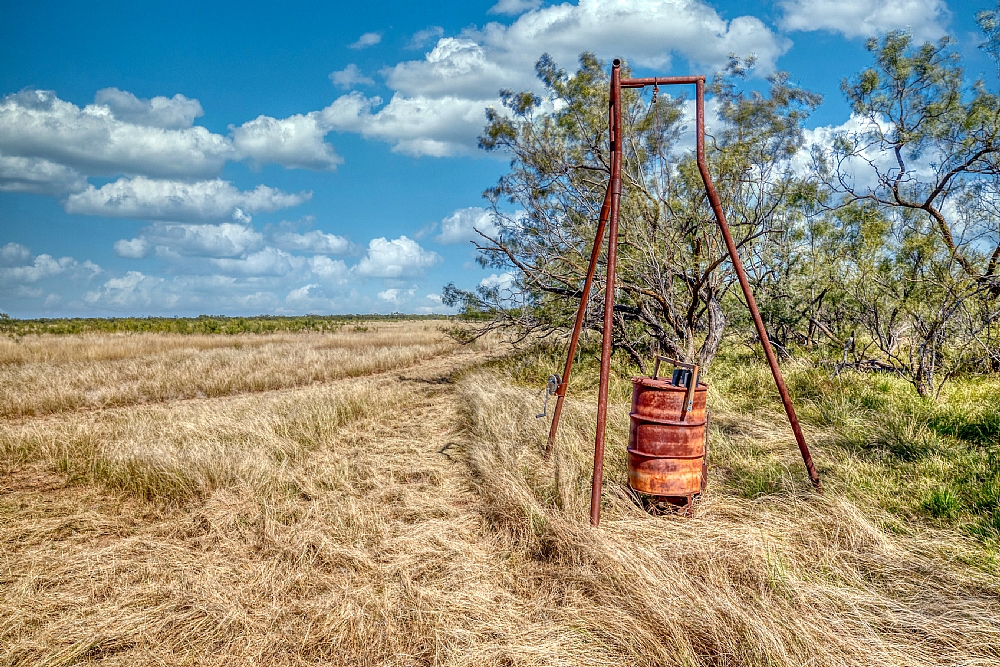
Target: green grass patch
(876,441)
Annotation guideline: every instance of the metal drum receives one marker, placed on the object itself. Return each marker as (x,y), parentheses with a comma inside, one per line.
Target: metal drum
(666,444)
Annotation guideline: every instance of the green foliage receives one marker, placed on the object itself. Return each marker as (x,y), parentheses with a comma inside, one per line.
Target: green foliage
(672,271)
(203,324)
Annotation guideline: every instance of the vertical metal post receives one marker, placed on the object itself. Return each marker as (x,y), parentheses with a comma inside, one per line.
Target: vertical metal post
(581,312)
(713,197)
(609,292)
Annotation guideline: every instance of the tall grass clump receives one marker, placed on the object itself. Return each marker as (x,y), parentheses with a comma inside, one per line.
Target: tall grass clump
(175,453)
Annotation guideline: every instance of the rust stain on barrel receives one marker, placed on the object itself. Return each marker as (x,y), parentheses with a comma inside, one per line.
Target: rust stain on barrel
(666,456)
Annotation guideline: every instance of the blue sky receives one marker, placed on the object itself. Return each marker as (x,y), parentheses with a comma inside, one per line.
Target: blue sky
(243,158)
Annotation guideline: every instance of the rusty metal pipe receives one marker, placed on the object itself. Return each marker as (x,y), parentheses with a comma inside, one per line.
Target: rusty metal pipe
(609,293)
(661,81)
(581,312)
(720,216)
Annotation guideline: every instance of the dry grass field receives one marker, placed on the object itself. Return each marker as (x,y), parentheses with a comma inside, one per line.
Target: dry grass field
(48,374)
(379,498)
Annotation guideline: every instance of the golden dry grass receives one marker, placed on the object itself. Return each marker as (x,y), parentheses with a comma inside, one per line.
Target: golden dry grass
(49,374)
(406,518)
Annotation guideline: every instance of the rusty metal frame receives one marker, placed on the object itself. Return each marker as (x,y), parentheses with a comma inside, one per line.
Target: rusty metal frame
(609,214)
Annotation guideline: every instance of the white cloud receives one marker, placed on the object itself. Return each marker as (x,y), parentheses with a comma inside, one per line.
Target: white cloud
(438,104)
(266,262)
(132,248)
(45,266)
(502,281)
(366,40)
(416,126)
(167,112)
(461,225)
(171,239)
(350,76)
(390,295)
(300,294)
(514,7)
(148,199)
(38,176)
(422,37)
(328,269)
(50,146)
(295,142)
(395,259)
(14,254)
(926,19)
(312,241)
(93,140)
(133,290)
(241,293)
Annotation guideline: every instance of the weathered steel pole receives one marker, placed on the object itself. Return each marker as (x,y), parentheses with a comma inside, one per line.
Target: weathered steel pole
(609,292)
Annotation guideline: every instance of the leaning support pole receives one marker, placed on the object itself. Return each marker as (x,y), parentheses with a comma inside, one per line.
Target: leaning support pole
(578,326)
(609,293)
(713,197)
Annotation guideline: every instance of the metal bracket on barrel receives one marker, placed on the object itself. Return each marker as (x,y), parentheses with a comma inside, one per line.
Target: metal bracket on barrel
(692,383)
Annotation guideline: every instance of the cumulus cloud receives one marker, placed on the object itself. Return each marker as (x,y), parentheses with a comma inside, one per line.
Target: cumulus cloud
(397,258)
(862,171)
(514,7)
(38,176)
(266,262)
(300,294)
(134,289)
(25,270)
(461,225)
(422,37)
(312,241)
(175,112)
(437,127)
(497,281)
(438,104)
(394,294)
(366,40)
(50,146)
(14,254)
(350,76)
(331,270)
(132,248)
(926,19)
(171,239)
(94,141)
(148,199)
(296,142)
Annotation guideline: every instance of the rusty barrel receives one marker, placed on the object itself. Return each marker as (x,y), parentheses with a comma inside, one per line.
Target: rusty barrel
(666,456)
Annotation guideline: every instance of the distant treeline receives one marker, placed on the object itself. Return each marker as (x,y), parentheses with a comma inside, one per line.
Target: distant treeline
(203,324)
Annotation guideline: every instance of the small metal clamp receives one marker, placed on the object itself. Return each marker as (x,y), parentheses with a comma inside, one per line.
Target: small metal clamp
(551,387)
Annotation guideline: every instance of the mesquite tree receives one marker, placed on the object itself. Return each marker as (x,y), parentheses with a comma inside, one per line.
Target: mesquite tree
(925,165)
(673,270)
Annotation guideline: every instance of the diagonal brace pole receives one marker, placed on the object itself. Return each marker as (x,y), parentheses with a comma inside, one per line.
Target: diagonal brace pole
(581,312)
(741,274)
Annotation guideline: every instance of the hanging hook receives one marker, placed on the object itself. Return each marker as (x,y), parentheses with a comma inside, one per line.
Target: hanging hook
(656,91)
